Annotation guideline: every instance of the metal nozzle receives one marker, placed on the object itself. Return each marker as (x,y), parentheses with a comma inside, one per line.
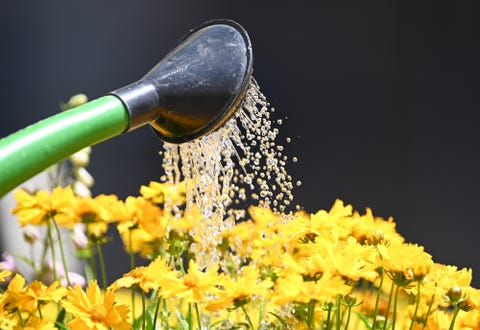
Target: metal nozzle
(196,87)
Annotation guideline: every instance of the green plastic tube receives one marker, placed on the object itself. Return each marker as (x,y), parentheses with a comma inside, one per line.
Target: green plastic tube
(34,148)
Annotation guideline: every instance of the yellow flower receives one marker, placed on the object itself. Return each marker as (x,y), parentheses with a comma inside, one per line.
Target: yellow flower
(4,274)
(332,221)
(141,212)
(96,213)
(239,289)
(347,258)
(15,297)
(193,286)
(290,265)
(41,293)
(190,219)
(35,323)
(40,207)
(438,320)
(407,260)
(143,277)
(142,227)
(160,193)
(293,288)
(365,227)
(94,310)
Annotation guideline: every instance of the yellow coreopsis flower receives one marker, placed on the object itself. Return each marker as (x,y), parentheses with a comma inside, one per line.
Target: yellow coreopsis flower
(15,297)
(160,193)
(293,288)
(142,226)
(365,226)
(239,289)
(43,294)
(143,277)
(348,259)
(4,274)
(141,212)
(38,208)
(96,213)
(190,219)
(410,260)
(332,221)
(95,310)
(193,286)
(36,323)
(438,320)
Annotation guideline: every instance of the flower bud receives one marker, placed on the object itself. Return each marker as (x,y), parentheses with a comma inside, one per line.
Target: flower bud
(81,158)
(81,190)
(350,299)
(82,175)
(8,263)
(455,295)
(75,279)
(376,237)
(79,238)
(31,234)
(77,100)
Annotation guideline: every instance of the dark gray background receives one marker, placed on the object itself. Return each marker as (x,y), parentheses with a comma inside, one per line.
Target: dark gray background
(381,97)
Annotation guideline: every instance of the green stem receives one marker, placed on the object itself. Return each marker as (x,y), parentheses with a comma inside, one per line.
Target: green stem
(349,312)
(180,262)
(419,282)
(260,313)
(199,320)
(39,310)
(102,265)
(249,320)
(52,249)
(32,257)
(132,267)
(157,307)
(190,317)
(428,311)
(329,313)
(337,313)
(93,266)
(22,322)
(395,307)
(44,252)
(165,317)
(143,311)
(62,250)
(455,314)
(377,299)
(388,305)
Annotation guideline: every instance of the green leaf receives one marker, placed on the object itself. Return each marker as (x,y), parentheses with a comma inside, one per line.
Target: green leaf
(183,322)
(61,326)
(60,316)
(365,320)
(282,321)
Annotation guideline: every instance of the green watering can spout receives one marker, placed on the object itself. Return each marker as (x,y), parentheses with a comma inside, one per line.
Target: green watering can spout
(192,91)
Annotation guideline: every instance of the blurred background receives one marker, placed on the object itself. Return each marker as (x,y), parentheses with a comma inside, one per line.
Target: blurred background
(381,98)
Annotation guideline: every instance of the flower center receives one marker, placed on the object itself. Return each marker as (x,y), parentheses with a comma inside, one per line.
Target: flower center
(138,272)
(98,313)
(190,280)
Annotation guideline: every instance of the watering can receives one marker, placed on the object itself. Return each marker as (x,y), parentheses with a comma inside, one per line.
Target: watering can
(192,91)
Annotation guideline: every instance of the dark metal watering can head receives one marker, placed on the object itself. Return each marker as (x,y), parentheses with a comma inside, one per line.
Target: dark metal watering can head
(196,87)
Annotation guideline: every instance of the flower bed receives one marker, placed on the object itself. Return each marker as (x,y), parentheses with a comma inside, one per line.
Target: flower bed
(335,269)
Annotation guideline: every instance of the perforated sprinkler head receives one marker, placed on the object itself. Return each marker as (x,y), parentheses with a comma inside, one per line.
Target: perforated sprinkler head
(196,87)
